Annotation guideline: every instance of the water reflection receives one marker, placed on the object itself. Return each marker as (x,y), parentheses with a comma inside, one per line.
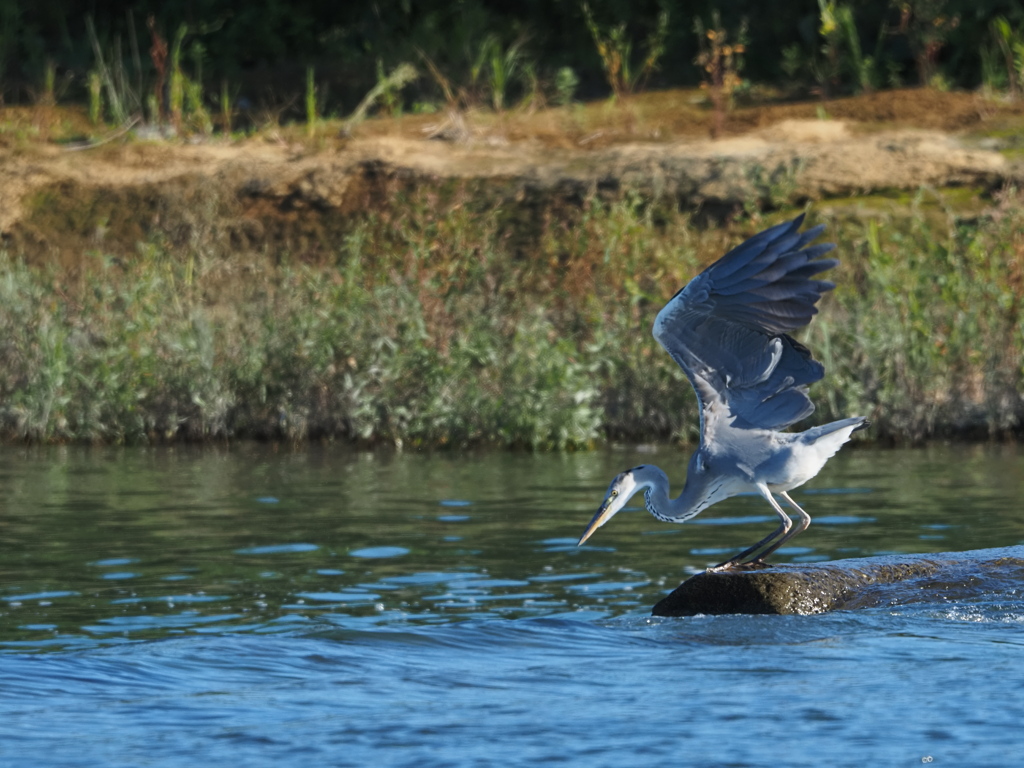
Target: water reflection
(133,544)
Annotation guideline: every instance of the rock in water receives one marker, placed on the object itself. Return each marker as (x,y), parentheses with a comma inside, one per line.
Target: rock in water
(847,584)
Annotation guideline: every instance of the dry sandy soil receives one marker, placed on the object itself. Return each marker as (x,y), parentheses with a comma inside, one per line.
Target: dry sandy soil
(278,191)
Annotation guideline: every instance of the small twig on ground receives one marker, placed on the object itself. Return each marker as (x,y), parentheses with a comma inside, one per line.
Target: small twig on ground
(106,139)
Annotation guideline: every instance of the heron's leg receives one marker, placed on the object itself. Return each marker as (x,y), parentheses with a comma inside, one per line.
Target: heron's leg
(782,531)
(800,527)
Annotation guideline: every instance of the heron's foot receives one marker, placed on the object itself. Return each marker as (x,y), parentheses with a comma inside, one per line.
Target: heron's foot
(729,565)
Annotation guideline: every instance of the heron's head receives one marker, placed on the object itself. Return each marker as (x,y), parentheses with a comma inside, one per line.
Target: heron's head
(622,489)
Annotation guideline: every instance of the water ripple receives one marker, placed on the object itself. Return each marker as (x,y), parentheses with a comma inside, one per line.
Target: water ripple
(379,552)
(277,549)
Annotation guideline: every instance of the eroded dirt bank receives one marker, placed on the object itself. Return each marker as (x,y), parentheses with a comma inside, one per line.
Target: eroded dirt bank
(278,198)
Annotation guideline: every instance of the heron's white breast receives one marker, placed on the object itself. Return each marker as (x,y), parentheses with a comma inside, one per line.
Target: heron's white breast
(803,463)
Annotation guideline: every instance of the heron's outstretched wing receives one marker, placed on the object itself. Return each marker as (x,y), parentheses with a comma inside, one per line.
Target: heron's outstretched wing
(728,328)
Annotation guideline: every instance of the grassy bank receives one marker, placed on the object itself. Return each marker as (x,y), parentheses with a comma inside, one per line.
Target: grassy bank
(442,329)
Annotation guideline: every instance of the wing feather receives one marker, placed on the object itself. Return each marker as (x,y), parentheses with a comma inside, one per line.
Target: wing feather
(728,328)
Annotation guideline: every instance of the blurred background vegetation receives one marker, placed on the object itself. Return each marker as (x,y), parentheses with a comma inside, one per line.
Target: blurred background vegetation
(434,330)
(262,54)
(428,323)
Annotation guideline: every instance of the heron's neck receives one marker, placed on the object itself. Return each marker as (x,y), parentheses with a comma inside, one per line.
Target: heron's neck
(686,505)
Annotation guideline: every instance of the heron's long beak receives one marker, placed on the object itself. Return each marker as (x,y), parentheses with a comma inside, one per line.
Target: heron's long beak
(603,515)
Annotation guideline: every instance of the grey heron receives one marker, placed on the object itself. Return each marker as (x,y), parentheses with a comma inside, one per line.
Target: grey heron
(728,329)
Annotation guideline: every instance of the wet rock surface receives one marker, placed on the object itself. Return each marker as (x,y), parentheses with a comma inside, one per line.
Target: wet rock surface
(847,584)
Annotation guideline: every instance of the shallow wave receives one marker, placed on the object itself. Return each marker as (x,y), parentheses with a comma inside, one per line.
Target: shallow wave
(577,690)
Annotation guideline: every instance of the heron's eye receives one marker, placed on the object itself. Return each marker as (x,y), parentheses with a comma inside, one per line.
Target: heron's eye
(615,493)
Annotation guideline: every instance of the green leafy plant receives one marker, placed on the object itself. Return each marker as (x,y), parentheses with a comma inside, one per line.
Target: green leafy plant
(51,90)
(566,83)
(776,187)
(1010,43)
(95,85)
(827,69)
(123,100)
(391,98)
(176,82)
(387,86)
(720,63)
(312,109)
(792,61)
(227,107)
(503,68)
(839,61)
(186,105)
(158,54)
(199,116)
(863,67)
(615,48)
(926,25)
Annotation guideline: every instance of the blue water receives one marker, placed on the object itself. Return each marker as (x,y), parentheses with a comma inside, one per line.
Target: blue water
(252,607)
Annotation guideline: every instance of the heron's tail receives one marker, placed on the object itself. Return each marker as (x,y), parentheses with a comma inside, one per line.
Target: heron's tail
(829,438)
